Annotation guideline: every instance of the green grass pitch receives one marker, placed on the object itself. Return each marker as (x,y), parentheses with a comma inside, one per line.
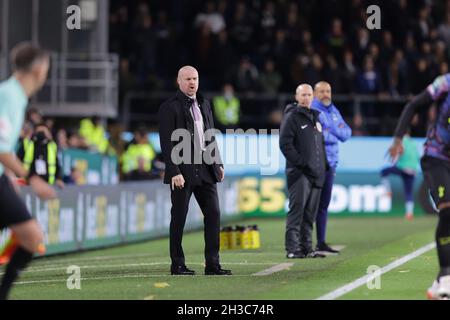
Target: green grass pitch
(141,271)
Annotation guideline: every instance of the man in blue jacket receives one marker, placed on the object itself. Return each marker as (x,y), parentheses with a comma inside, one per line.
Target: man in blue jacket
(334,130)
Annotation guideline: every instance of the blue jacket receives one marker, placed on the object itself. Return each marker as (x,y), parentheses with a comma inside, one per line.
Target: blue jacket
(334,130)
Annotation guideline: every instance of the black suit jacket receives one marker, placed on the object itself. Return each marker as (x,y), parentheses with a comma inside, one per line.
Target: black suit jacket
(174,113)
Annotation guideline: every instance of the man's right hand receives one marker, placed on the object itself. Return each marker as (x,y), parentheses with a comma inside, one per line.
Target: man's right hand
(178,182)
(42,189)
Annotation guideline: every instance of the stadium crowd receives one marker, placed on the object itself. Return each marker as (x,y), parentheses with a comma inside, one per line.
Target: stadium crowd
(272,46)
(244,48)
(137,157)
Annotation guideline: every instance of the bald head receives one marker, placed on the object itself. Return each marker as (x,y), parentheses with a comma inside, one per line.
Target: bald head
(322,91)
(304,95)
(188,80)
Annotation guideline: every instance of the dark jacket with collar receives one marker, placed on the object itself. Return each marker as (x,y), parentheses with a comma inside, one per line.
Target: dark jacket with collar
(302,143)
(175,113)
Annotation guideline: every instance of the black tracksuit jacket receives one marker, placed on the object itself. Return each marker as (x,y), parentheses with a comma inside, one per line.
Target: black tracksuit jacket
(302,143)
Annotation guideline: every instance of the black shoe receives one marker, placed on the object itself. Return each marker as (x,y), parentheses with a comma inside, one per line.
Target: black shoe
(181,271)
(217,271)
(313,255)
(326,248)
(295,255)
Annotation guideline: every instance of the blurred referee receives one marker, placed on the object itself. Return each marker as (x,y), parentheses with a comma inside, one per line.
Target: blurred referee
(30,66)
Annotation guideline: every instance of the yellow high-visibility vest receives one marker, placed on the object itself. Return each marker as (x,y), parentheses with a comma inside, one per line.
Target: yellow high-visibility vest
(135,152)
(226,111)
(94,135)
(52,154)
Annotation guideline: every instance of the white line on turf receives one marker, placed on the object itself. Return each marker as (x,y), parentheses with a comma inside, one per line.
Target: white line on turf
(274,269)
(122,277)
(363,280)
(130,265)
(51,261)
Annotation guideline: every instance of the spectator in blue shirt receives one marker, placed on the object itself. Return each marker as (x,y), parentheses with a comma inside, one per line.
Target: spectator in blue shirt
(368,79)
(334,130)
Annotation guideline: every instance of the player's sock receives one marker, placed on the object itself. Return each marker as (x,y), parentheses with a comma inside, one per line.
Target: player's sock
(386,184)
(443,241)
(409,206)
(8,250)
(18,262)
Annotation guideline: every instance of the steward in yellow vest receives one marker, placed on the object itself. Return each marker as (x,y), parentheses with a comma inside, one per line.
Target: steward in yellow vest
(92,130)
(227,108)
(137,159)
(41,156)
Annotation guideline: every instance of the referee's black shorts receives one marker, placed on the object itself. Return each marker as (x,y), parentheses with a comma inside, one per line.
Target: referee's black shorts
(436,173)
(12,208)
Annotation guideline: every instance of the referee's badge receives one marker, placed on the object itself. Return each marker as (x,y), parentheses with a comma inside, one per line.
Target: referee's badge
(318,126)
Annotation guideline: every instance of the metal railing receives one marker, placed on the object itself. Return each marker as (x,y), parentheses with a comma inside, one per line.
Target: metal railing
(81,85)
(78,85)
(143,107)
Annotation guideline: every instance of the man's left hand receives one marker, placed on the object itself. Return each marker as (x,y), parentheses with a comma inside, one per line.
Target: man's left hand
(222,174)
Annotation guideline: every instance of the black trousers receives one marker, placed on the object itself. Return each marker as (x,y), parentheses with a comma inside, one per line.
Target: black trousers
(206,196)
(13,208)
(303,205)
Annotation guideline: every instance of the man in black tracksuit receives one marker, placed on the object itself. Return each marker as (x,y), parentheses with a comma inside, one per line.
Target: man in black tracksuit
(302,143)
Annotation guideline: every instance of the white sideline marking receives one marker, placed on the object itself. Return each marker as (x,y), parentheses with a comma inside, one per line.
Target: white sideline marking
(363,280)
(50,261)
(123,277)
(99,266)
(274,269)
(102,266)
